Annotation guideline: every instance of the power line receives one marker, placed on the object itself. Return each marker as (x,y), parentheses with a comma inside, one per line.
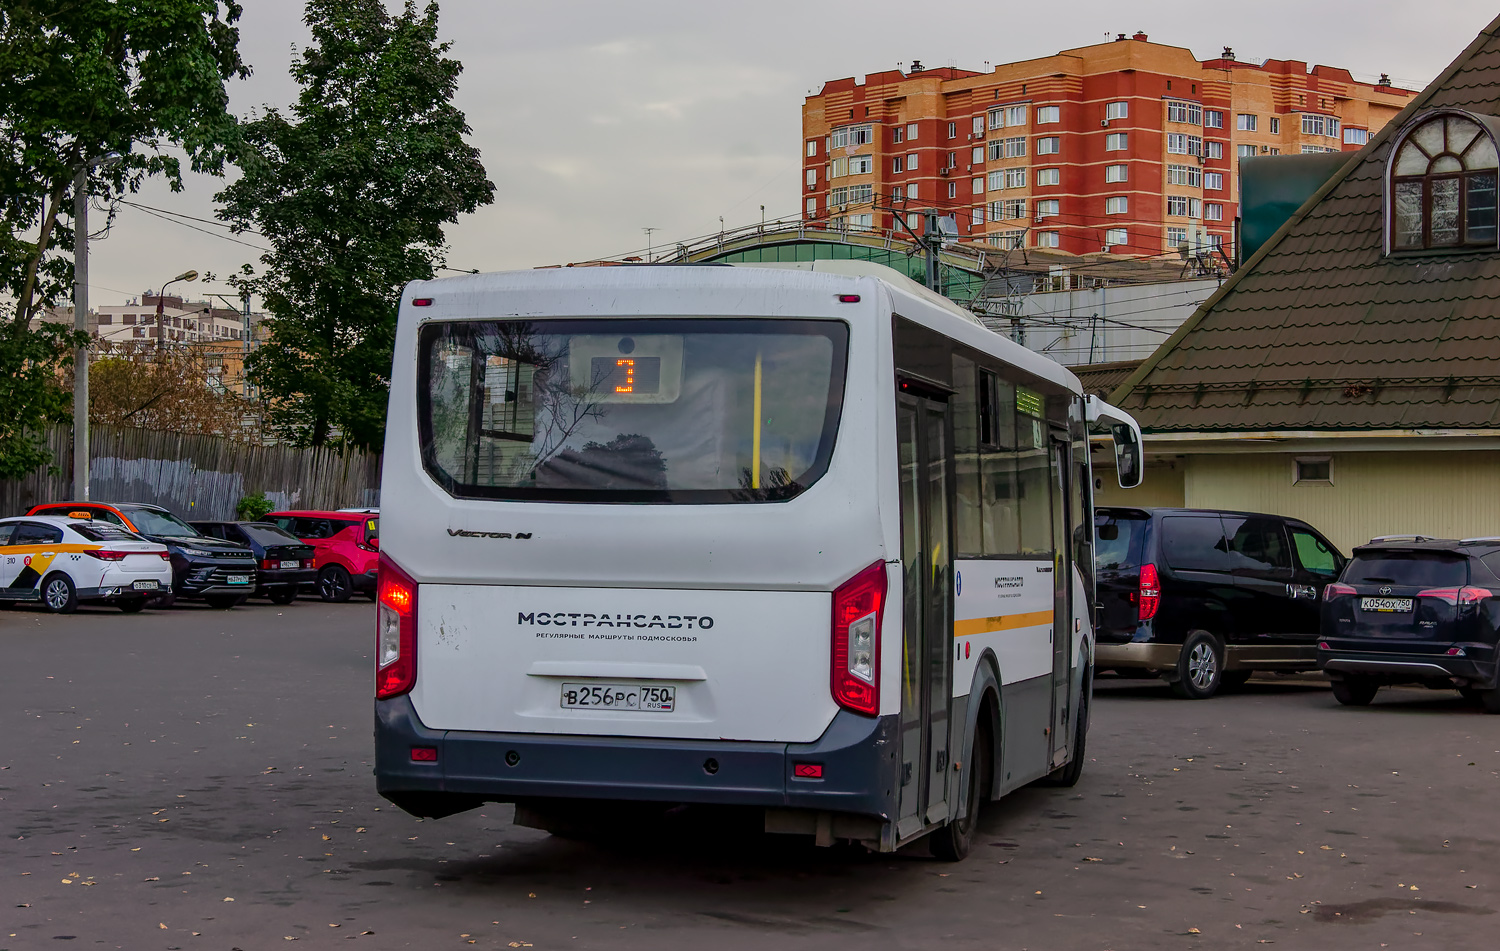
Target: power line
(223,237)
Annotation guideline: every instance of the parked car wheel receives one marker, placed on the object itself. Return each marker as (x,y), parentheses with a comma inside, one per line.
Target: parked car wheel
(58,594)
(1200,667)
(334,584)
(1355,691)
(224,601)
(131,605)
(1490,699)
(283,595)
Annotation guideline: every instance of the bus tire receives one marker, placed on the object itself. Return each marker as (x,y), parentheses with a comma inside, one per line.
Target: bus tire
(953,841)
(1068,774)
(1200,667)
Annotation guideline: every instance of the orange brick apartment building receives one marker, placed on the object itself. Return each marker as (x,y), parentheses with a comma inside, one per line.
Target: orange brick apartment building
(1127,146)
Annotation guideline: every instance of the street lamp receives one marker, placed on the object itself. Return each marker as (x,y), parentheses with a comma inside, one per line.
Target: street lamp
(161,296)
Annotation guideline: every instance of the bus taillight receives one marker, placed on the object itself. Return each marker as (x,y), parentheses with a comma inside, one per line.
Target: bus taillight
(857,604)
(395,632)
(1150,592)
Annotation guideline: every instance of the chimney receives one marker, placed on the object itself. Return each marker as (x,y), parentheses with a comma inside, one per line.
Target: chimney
(1119,37)
(916,66)
(1139,36)
(1385,79)
(1228,53)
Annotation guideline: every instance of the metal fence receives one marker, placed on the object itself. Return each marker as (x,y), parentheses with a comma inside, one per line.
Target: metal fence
(200,477)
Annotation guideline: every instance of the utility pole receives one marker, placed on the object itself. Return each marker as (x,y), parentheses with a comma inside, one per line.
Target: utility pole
(648,242)
(81,322)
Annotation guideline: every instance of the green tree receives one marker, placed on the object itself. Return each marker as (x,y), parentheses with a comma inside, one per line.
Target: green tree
(351,187)
(79,81)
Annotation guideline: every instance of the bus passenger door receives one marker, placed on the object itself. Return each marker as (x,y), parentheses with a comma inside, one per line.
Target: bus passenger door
(927,635)
(1062,593)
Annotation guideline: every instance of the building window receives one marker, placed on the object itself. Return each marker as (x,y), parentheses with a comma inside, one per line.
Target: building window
(976,216)
(1275,125)
(1177,206)
(1319,125)
(1317,148)
(1246,122)
(911,132)
(1190,112)
(812,147)
(953,130)
(997,118)
(1118,205)
(1016,147)
(1213,181)
(1216,241)
(1116,173)
(898,134)
(979,125)
(898,193)
(996,151)
(1012,209)
(1049,176)
(838,168)
(1314,469)
(1176,238)
(1213,150)
(953,189)
(1117,110)
(1117,142)
(1180,144)
(1116,237)
(1048,208)
(898,165)
(812,208)
(1007,116)
(911,192)
(812,178)
(1356,136)
(848,135)
(864,222)
(1213,119)
(1015,178)
(1189,175)
(913,221)
(1047,239)
(861,164)
(1048,145)
(997,180)
(911,162)
(1443,185)
(1009,240)
(1045,115)
(1213,211)
(978,185)
(1245,151)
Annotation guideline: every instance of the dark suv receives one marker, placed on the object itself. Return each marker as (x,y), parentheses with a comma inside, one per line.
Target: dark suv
(1410,609)
(1205,598)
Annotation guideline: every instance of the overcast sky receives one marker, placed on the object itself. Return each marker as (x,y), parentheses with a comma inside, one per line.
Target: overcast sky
(598,119)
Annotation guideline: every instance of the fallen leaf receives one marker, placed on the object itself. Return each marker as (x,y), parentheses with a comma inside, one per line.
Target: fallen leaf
(229,899)
(1326,848)
(360,829)
(162,925)
(1193,931)
(327,838)
(153,878)
(1090,858)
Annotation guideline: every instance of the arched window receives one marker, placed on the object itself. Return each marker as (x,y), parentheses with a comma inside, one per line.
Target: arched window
(1443,186)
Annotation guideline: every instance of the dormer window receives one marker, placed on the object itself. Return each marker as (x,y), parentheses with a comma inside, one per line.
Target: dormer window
(1442,185)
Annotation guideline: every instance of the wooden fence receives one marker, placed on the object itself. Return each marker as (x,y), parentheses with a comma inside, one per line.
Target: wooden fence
(196,477)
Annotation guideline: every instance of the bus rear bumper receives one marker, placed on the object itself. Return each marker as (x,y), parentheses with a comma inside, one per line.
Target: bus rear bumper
(857,759)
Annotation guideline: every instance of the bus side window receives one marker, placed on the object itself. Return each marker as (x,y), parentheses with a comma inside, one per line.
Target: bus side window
(1001,492)
(968,509)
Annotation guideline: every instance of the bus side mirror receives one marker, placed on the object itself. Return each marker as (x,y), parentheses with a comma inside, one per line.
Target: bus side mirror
(1127,455)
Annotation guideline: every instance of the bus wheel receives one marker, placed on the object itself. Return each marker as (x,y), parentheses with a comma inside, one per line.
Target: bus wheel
(952,842)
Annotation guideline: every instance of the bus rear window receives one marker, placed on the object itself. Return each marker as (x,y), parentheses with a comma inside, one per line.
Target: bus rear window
(630,410)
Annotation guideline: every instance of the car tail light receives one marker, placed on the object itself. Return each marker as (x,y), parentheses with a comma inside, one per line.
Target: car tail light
(104,554)
(395,632)
(1337,590)
(1465,595)
(857,604)
(1150,592)
(268,564)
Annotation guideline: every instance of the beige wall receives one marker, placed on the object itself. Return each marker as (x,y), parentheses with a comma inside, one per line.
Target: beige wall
(1452,494)
(1161,486)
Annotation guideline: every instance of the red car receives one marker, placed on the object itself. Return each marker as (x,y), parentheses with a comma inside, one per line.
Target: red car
(348,546)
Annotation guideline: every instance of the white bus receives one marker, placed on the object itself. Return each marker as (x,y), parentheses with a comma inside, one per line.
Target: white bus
(809,541)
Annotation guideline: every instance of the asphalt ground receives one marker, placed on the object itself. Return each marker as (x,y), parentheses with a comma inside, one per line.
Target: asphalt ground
(200,779)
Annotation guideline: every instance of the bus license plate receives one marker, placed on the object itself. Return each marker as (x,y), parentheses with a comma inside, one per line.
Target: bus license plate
(239,579)
(619,697)
(1386,605)
(146,586)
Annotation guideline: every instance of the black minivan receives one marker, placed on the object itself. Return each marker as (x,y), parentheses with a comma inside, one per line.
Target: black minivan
(1410,609)
(1205,598)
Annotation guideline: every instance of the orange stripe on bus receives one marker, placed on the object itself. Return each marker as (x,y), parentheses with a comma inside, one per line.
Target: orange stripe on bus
(1005,622)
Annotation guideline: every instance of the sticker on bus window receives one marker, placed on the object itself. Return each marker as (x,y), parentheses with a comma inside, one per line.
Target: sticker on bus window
(627,368)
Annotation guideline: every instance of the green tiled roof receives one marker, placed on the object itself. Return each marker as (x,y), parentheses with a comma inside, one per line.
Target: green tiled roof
(1321,330)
